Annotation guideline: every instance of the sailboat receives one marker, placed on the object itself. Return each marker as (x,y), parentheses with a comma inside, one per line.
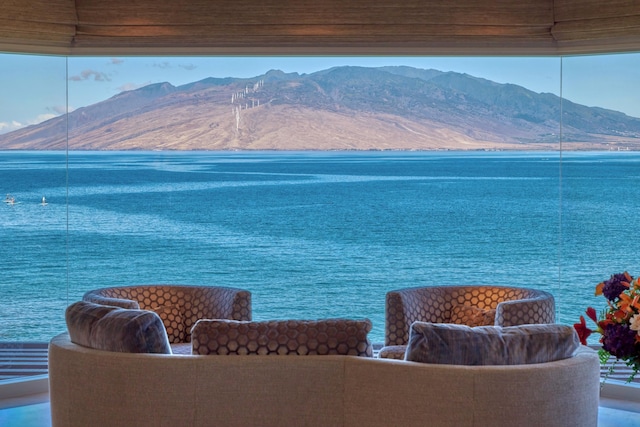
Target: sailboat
(44,201)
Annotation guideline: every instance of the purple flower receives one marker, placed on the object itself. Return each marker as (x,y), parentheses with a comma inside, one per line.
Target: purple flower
(619,340)
(614,286)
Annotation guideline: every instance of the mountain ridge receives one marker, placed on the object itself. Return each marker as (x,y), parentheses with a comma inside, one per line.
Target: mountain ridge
(340,108)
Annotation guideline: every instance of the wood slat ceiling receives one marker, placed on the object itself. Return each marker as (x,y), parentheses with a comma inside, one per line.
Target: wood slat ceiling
(395,27)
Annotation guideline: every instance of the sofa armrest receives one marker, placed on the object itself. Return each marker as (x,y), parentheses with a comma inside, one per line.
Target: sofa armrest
(113,302)
(406,306)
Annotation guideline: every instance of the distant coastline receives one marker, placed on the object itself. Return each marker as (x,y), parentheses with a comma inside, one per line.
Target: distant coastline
(623,147)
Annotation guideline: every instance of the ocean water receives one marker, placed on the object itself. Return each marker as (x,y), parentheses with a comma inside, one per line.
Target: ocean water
(311,234)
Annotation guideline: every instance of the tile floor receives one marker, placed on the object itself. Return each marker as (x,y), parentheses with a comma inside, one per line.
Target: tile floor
(34,412)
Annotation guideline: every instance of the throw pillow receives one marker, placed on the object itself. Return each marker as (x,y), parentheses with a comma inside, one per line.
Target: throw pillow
(392,352)
(80,317)
(116,329)
(130,331)
(282,337)
(490,345)
(472,316)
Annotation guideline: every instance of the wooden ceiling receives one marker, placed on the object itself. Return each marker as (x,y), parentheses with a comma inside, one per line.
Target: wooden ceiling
(313,27)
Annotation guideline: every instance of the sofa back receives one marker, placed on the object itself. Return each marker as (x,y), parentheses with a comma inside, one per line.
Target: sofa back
(179,306)
(121,389)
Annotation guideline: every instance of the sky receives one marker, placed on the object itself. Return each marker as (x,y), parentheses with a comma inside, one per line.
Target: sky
(36,88)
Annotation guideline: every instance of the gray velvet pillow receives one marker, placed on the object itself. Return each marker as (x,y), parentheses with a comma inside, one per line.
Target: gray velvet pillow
(80,317)
(130,331)
(116,329)
(490,345)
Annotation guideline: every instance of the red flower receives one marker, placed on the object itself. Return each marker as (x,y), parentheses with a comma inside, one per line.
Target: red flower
(582,330)
(618,323)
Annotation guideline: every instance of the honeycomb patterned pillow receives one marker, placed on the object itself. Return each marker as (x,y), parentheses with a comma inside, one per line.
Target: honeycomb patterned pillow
(282,337)
(490,345)
(472,316)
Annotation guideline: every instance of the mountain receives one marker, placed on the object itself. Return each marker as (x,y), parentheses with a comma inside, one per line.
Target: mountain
(342,108)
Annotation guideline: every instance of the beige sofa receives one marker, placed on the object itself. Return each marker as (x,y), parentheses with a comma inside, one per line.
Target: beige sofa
(101,388)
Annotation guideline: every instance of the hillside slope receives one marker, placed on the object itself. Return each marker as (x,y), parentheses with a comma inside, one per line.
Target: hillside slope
(352,108)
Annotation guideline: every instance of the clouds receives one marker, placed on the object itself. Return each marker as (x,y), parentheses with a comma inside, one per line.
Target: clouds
(59,109)
(53,112)
(6,127)
(162,65)
(165,65)
(132,86)
(43,117)
(110,76)
(89,74)
(96,76)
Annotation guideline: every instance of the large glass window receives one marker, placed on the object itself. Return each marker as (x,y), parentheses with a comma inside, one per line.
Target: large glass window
(33,221)
(600,184)
(320,186)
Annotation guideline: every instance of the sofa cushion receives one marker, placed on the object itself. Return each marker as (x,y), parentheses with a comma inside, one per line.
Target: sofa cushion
(392,352)
(282,337)
(472,316)
(116,329)
(490,345)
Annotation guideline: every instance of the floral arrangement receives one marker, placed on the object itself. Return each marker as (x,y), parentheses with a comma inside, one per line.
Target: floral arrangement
(619,323)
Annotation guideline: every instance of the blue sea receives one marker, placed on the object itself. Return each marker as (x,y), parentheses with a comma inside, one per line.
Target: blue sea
(311,234)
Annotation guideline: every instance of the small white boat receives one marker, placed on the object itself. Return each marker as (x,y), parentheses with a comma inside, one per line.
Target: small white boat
(10,199)
(44,201)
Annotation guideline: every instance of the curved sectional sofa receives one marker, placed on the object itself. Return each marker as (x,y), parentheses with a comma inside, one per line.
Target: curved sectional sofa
(118,366)
(102,388)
